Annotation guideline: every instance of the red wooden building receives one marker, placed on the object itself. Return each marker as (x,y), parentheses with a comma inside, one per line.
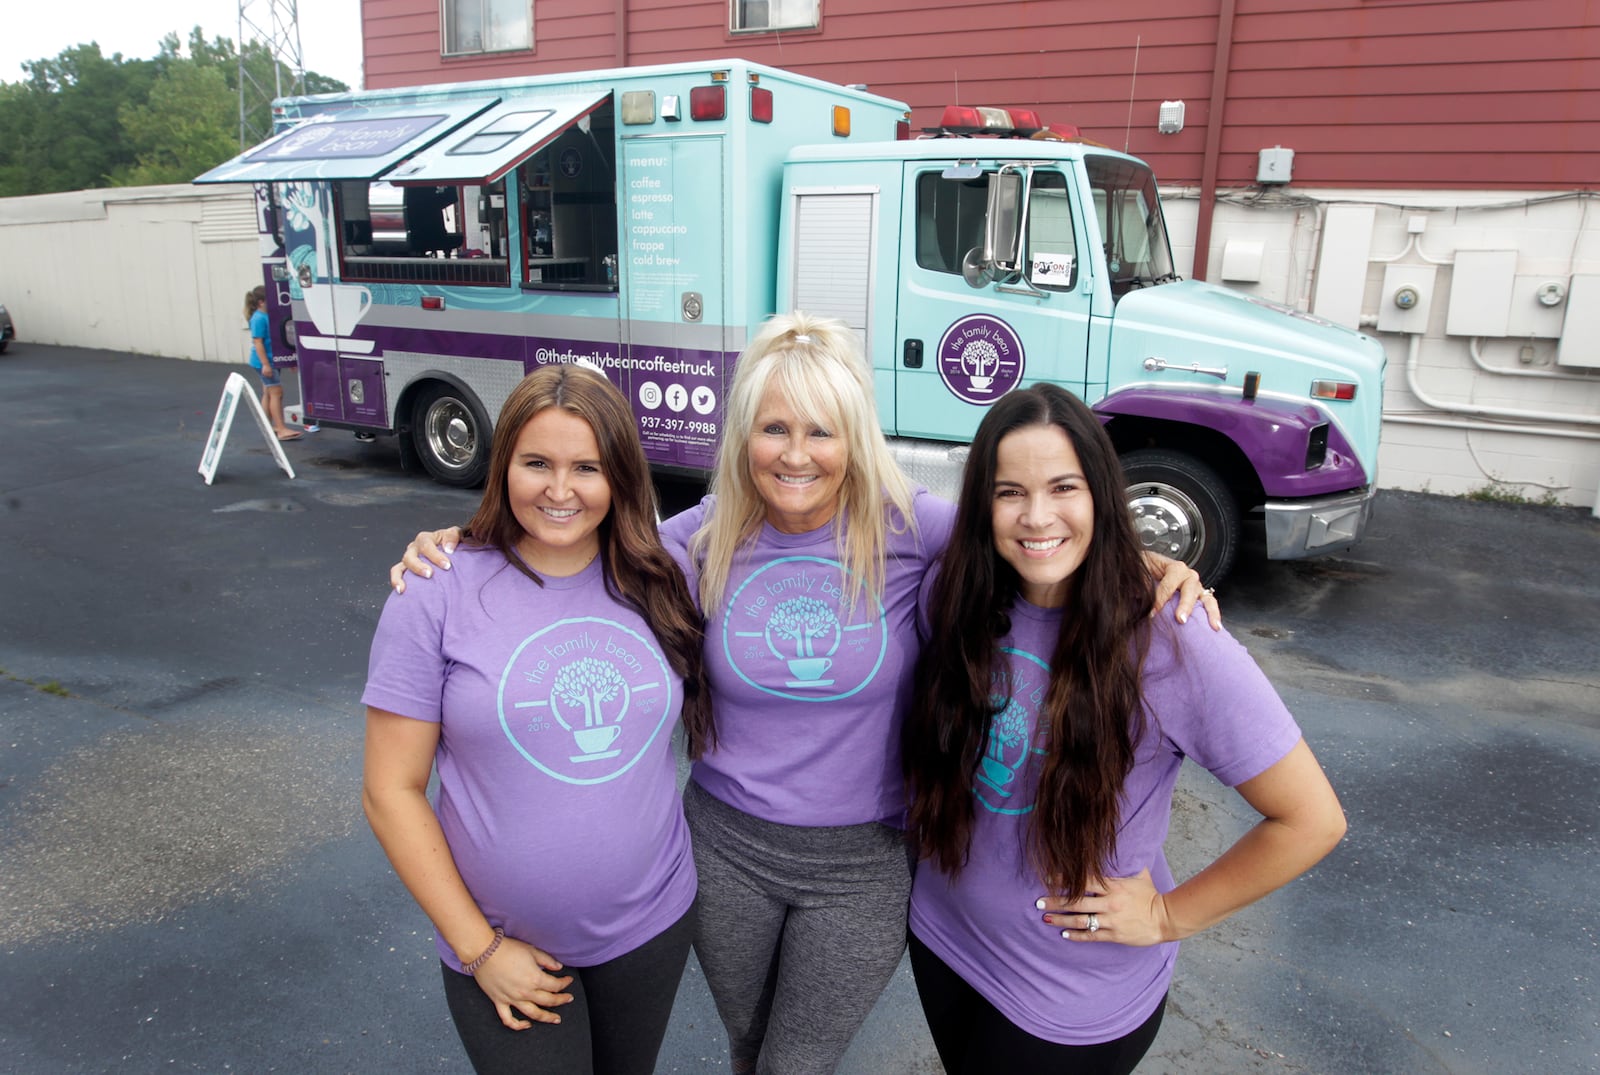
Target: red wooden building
(1482,94)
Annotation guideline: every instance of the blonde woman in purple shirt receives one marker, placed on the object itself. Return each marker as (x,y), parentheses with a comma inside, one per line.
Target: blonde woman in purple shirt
(806,558)
(1051,717)
(543,677)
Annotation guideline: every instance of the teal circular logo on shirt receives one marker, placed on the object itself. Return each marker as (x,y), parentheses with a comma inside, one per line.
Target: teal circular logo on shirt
(584,698)
(796,629)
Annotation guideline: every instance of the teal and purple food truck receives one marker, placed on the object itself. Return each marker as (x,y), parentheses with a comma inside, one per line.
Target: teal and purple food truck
(428,246)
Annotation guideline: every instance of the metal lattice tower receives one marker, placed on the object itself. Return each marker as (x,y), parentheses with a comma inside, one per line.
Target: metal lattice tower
(276,24)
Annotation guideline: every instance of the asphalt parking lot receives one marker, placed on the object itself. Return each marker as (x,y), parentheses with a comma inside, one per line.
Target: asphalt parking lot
(186,883)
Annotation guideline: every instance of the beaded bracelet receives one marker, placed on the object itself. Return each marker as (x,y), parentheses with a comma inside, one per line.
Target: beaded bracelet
(472,968)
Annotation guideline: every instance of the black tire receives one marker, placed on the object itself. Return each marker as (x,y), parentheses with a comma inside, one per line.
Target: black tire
(1182,509)
(450,432)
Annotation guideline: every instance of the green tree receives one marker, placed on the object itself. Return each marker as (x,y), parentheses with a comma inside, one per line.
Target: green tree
(61,123)
(85,120)
(185,127)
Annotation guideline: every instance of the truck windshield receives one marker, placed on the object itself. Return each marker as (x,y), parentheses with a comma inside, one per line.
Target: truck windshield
(1137,252)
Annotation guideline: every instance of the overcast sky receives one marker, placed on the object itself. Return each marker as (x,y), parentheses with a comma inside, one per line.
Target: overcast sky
(330,30)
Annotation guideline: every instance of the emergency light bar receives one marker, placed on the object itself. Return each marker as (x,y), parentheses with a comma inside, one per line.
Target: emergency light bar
(1001,123)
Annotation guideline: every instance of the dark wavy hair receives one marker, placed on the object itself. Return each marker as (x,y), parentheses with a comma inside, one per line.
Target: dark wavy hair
(1092,716)
(638,570)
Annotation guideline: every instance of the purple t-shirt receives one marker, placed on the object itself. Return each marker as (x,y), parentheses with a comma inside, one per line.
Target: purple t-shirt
(1209,702)
(557,785)
(809,687)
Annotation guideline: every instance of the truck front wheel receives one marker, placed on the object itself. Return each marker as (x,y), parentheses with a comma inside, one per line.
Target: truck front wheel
(451,434)
(1183,510)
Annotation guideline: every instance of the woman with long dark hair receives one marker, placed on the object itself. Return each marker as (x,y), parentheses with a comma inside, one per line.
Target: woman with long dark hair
(1051,716)
(543,677)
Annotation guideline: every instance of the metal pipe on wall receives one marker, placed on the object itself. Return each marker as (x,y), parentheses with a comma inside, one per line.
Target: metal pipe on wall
(1214,115)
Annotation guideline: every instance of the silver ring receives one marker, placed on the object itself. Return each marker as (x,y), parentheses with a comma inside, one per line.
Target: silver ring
(1094,923)
(1209,592)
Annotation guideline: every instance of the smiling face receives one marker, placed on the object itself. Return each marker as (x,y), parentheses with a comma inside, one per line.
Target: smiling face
(798,466)
(558,492)
(1043,513)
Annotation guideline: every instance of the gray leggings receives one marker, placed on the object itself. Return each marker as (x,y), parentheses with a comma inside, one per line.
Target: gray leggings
(799,930)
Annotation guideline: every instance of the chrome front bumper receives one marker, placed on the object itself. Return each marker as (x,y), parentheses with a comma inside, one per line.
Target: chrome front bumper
(1298,528)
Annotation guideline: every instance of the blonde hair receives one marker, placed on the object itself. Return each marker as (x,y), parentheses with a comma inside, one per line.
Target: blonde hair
(817,364)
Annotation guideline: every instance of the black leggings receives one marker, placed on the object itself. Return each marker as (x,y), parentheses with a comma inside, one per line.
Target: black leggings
(973,1038)
(614,1025)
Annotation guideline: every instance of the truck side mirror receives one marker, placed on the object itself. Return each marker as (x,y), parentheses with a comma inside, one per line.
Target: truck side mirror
(1002,237)
(975,270)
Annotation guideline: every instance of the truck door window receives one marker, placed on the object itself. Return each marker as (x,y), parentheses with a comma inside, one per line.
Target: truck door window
(950,221)
(1128,210)
(950,217)
(1052,243)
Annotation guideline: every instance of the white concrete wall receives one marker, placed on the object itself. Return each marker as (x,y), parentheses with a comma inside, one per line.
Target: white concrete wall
(1515,421)
(153,270)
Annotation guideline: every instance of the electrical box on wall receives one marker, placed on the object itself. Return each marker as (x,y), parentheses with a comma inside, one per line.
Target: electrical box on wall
(1276,165)
(1480,293)
(1341,279)
(1580,335)
(1406,298)
(1241,261)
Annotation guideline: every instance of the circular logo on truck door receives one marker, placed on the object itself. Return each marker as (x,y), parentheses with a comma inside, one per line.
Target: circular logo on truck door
(980,359)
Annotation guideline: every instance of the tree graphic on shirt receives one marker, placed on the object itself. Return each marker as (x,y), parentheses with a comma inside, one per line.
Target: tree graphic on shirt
(1008,733)
(1008,729)
(589,683)
(800,621)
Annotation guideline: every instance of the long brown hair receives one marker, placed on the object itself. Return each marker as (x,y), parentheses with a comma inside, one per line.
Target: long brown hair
(638,570)
(1092,715)
(253,298)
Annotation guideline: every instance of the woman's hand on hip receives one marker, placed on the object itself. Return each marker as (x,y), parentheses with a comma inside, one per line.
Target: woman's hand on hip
(1123,910)
(429,549)
(521,980)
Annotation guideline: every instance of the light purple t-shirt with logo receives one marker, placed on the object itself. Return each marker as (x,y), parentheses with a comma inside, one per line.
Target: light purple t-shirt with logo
(810,687)
(557,785)
(1210,703)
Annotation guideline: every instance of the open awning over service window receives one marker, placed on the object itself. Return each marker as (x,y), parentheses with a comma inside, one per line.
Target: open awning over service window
(487,147)
(465,141)
(353,143)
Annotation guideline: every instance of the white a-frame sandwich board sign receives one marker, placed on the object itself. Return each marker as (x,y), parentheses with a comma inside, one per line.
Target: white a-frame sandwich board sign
(236,389)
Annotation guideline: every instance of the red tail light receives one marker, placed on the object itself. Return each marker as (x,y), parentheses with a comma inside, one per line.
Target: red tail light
(760,105)
(708,102)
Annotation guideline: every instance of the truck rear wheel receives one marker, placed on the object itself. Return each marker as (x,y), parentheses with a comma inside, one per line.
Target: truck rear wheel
(1182,509)
(451,434)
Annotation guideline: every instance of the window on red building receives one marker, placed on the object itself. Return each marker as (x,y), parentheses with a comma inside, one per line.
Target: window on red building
(472,26)
(775,14)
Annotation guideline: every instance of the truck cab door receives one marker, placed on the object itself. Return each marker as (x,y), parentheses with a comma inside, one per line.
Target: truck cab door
(961,347)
